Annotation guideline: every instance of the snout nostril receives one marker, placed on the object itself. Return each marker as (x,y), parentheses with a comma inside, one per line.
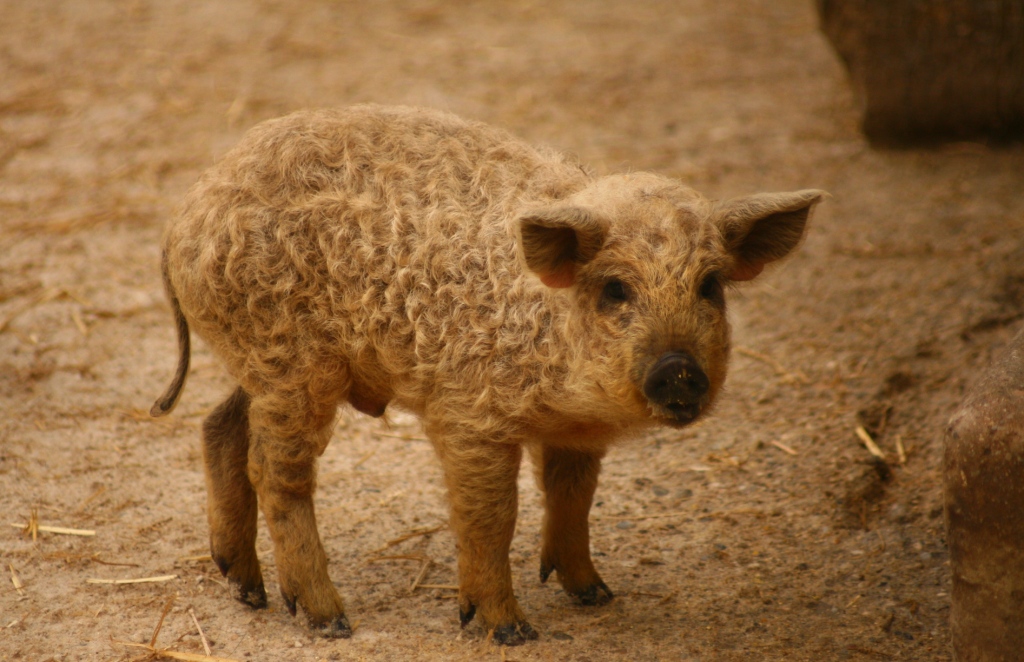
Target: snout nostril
(676,379)
(697,382)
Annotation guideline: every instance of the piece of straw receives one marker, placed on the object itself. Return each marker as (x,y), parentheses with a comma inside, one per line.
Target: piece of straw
(869,443)
(780,370)
(422,573)
(160,623)
(413,534)
(901,452)
(206,644)
(18,586)
(30,528)
(784,448)
(175,655)
(141,580)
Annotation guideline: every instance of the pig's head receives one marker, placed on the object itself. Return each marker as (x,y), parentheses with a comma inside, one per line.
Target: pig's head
(641,264)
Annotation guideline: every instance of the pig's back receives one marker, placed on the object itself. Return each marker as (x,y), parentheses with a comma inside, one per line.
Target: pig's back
(372,244)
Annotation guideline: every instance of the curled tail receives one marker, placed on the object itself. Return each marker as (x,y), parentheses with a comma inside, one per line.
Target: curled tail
(169,399)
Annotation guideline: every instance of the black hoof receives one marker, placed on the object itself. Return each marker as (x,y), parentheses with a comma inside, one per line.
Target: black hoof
(337,628)
(289,602)
(545,572)
(254,596)
(222,564)
(514,634)
(466,616)
(594,595)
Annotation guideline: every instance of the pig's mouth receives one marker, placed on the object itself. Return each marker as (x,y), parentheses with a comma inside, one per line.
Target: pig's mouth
(677,388)
(682,413)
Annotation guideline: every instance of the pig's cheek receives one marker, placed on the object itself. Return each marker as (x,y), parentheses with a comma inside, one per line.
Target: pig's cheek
(715,357)
(716,365)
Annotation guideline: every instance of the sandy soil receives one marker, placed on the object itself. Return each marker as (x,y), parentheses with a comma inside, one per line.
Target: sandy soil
(765,533)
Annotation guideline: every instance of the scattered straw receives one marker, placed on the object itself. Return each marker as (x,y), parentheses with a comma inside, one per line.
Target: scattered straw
(780,370)
(422,573)
(18,586)
(397,557)
(363,459)
(784,448)
(869,443)
(95,495)
(95,558)
(160,623)
(617,518)
(444,587)
(174,655)
(76,317)
(46,296)
(413,534)
(33,524)
(149,528)
(206,644)
(140,580)
(901,453)
(196,559)
(34,528)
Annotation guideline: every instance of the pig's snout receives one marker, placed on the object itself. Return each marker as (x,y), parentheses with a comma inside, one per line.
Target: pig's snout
(677,385)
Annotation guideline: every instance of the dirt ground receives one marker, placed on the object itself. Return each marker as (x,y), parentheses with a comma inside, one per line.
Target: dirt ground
(765,533)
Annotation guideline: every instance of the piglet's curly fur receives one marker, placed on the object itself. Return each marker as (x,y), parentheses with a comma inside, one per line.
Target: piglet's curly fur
(399,257)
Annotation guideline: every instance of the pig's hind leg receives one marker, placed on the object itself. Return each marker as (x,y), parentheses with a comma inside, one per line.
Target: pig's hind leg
(287,438)
(231,501)
(568,478)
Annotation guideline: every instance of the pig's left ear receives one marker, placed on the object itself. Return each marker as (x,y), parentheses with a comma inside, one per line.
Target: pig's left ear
(762,228)
(556,241)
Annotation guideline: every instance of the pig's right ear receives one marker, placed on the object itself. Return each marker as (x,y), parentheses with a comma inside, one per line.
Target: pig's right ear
(557,240)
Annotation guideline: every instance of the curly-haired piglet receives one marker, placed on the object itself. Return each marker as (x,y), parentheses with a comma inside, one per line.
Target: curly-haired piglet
(400,257)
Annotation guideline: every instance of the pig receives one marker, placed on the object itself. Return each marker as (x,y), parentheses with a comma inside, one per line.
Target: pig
(502,293)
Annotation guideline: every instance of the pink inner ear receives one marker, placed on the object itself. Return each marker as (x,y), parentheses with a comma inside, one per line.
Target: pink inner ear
(746,271)
(563,276)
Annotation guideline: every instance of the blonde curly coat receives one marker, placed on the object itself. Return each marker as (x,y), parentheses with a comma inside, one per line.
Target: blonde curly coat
(404,257)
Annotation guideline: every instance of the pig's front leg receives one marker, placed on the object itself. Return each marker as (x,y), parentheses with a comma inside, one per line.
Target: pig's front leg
(481,479)
(568,478)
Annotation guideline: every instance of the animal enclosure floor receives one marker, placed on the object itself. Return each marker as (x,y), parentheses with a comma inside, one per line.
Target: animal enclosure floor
(765,533)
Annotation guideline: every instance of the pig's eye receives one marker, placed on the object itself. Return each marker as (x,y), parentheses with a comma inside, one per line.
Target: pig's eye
(615,291)
(711,289)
